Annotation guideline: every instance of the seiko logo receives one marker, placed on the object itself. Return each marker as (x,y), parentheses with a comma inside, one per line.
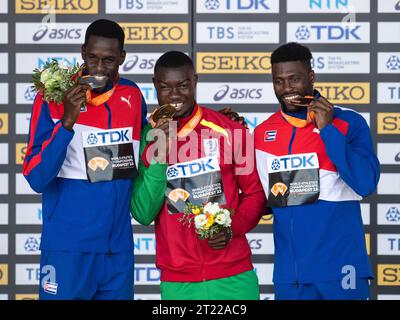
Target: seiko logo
(389,274)
(389,123)
(55,33)
(156,32)
(193,168)
(33,6)
(233,63)
(345,92)
(237,94)
(328,32)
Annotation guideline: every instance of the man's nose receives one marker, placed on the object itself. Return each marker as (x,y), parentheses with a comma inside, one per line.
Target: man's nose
(99,67)
(174,93)
(287,86)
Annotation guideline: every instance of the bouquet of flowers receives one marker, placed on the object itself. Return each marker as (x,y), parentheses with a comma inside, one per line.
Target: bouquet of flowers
(53,80)
(209,219)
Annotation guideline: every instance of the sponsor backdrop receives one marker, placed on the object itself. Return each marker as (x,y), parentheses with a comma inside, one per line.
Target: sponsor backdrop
(356,46)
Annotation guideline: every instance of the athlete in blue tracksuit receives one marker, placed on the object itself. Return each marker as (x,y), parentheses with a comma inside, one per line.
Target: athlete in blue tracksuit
(82,159)
(316,161)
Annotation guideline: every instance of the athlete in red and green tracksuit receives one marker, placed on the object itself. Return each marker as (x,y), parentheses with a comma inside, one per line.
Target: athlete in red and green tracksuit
(192,268)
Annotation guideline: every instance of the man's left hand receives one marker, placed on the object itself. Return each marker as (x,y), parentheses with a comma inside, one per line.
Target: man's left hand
(323,111)
(219,240)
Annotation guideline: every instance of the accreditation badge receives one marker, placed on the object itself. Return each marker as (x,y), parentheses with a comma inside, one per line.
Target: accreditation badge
(293,179)
(109,154)
(198,182)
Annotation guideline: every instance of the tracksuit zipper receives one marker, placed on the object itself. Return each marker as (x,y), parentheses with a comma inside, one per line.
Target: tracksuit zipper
(296,282)
(109,253)
(203,277)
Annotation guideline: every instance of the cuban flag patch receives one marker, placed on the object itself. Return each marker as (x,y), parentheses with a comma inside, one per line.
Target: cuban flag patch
(50,287)
(270,135)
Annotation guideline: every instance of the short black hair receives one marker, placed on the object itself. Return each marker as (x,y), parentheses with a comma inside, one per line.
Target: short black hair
(107,29)
(292,51)
(174,59)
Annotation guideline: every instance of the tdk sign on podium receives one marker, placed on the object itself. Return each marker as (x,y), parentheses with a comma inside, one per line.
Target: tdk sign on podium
(328,32)
(237,6)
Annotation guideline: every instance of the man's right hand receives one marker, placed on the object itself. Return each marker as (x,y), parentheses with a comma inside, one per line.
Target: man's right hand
(163,150)
(73,100)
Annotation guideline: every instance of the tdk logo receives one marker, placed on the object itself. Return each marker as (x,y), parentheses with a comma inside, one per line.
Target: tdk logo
(293,162)
(31,244)
(328,32)
(393,63)
(393,214)
(236,4)
(303,33)
(30,93)
(193,168)
(92,139)
(107,137)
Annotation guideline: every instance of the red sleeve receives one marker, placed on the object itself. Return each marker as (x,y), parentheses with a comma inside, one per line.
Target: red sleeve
(253,203)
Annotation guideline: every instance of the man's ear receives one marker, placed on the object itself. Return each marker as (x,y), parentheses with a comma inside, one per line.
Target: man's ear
(122,57)
(83,52)
(312,77)
(154,81)
(196,78)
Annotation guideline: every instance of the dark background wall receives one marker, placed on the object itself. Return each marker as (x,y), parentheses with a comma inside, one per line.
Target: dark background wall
(357,66)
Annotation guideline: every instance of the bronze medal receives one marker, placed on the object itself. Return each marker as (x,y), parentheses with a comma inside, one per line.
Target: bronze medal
(165,111)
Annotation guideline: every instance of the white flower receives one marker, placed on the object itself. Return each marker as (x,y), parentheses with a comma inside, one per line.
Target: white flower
(45,75)
(228,219)
(212,208)
(200,220)
(221,219)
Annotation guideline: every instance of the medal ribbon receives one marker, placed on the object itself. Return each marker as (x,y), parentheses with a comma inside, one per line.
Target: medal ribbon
(101,98)
(299,123)
(189,126)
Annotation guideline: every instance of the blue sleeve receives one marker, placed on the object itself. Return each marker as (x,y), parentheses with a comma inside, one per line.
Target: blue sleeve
(353,154)
(47,147)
